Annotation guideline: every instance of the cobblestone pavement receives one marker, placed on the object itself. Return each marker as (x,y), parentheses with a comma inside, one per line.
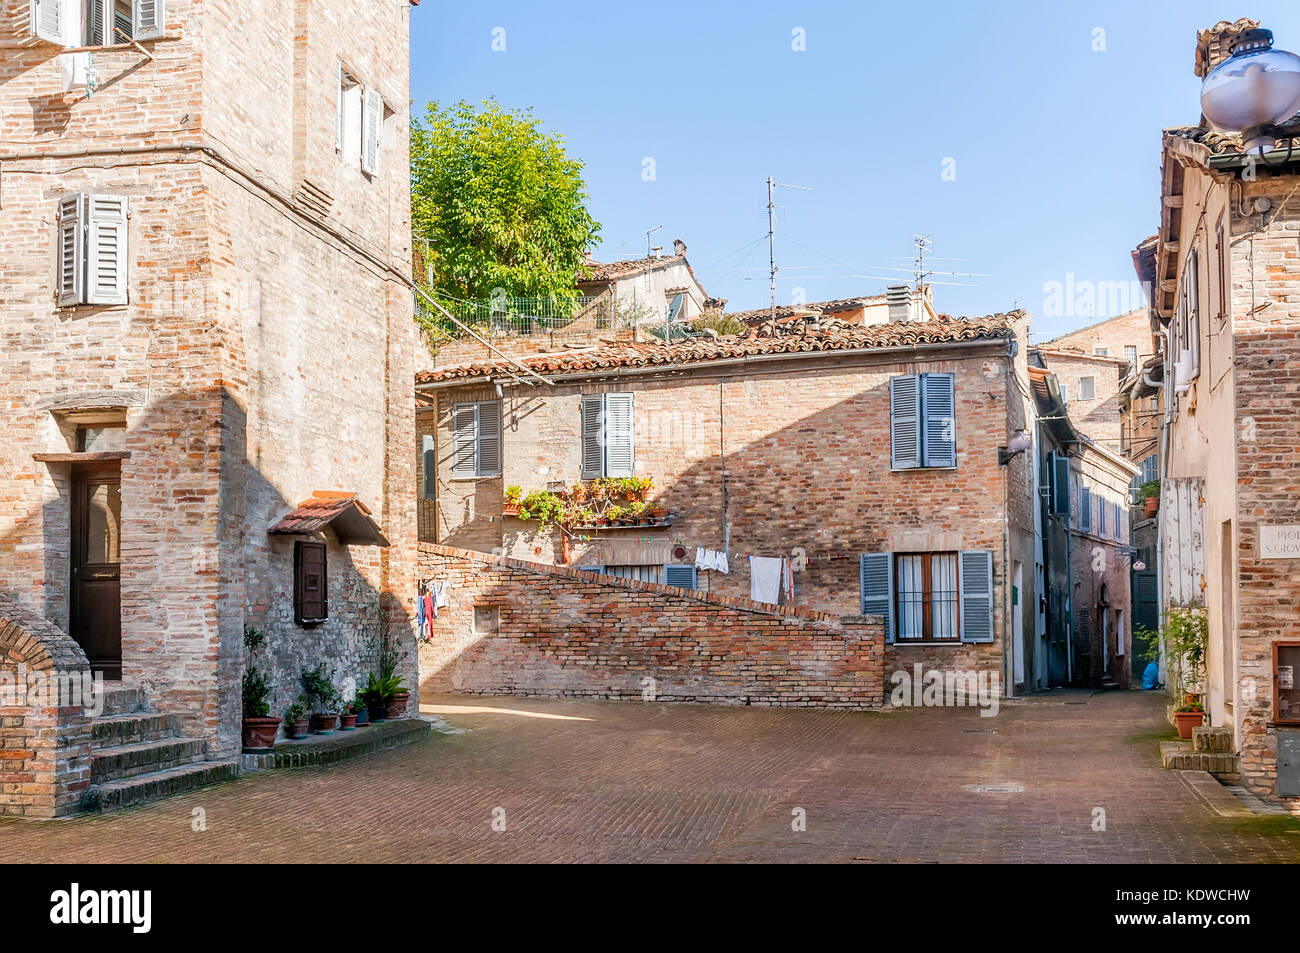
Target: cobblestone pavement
(624,781)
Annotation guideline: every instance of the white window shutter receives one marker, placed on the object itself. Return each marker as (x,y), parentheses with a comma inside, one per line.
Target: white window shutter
(71,252)
(593,437)
(976,581)
(940,421)
(620,455)
(876,580)
(489,438)
(148,19)
(372,118)
(464,424)
(905,422)
(106,249)
(47,20)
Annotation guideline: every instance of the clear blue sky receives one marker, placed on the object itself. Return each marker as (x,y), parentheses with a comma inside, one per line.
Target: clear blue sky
(1055,146)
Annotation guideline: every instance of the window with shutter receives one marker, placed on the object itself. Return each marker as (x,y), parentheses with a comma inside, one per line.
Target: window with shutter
(876,581)
(310,593)
(148,19)
(937,411)
(71,213)
(1087,388)
(620,457)
(1085,510)
(1060,484)
(905,422)
(976,595)
(47,20)
(106,249)
(489,438)
(593,437)
(464,451)
(349,132)
(429,461)
(680,575)
(372,123)
(1101,517)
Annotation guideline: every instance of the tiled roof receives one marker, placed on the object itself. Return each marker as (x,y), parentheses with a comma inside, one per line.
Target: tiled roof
(824,335)
(349,516)
(613,270)
(789,310)
(1219,143)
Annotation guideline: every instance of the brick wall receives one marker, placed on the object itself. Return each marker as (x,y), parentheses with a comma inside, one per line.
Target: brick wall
(1098,418)
(558,632)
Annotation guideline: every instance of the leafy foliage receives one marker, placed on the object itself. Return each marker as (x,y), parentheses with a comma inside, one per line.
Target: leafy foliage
(256,691)
(498,202)
(318,683)
(1186,634)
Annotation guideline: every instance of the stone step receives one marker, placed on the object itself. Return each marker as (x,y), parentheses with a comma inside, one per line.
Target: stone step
(132,728)
(125,761)
(1179,756)
(119,701)
(114,795)
(1212,740)
(341,745)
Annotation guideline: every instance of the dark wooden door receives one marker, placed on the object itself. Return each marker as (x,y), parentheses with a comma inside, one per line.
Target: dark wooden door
(95,611)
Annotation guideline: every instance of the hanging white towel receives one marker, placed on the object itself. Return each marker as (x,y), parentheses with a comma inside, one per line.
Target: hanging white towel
(701,560)
(723,564)
(440,594)
(765,578)
(74,70)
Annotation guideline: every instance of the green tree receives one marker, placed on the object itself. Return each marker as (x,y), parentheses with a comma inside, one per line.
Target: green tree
(496,203)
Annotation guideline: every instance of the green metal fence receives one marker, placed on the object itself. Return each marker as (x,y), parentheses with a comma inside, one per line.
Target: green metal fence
(505,316)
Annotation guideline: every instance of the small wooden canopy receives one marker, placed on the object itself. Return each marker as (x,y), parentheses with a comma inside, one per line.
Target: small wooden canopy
(348,516)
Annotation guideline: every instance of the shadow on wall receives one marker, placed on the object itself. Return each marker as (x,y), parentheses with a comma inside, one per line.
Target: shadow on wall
(197,565)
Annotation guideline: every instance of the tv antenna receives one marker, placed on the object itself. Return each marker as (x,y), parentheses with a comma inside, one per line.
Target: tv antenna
(919,270)
(772,186)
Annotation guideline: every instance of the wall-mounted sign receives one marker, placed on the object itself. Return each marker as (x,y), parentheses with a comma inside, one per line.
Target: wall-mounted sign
(1279,542)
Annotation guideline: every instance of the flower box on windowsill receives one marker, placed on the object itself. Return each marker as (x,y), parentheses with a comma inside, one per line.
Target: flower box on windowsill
(510,509)
(649,523)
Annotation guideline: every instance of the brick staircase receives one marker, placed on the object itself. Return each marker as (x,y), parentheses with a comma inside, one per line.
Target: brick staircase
(1209,750)
(138,755)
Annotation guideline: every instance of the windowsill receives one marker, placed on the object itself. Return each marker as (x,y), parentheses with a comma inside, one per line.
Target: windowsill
(471,479)
(915,469)
(96,456)
(900,642)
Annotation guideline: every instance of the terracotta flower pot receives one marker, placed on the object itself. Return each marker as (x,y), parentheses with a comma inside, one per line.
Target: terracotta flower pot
(1150,506)
(299,729)
(1186,721)
(259,733)
(325,724)
(397,704)
(510,509)
(349,722)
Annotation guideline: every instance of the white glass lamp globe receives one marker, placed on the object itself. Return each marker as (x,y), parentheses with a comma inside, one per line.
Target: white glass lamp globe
(1256,86)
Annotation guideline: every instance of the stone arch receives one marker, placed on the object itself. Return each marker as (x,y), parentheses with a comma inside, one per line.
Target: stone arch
(35,641)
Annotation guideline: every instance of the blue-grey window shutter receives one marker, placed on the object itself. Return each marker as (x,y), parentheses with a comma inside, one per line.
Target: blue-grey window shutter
(976,595)
(593,437)
(599,569)
(905,422)
(1085,509)
(489,438)
(939,415)
(464,422)
(430,458)
(620,456)
(876,579)
(682,575)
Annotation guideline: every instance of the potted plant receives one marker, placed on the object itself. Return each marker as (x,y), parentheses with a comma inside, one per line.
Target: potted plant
(1150,498)
(319,686)
(361,710)
(615,515)
(373,694)
(514,495)
(347,718)
(259,728)
(1188,717)
(658,510)
(398,697)
(295,719)
(636,509)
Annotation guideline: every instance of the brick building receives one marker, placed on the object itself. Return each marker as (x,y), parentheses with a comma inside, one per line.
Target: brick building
(868,456)
(206,321)
(1227,295)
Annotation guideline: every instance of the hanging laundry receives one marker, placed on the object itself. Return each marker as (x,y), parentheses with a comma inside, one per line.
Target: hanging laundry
(787,573)
(765,578)
(430,610)
(419,615)
(440,590)
(74,71)
(701,561)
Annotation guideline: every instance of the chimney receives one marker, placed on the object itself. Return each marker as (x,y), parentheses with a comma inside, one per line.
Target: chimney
(679,247)
(899,299)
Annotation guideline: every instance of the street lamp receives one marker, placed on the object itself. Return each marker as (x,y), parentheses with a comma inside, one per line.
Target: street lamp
(1253,91)
(1020,442)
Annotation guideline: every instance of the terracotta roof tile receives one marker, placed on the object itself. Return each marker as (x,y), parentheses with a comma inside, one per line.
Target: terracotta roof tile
(759,315)
(325,507)
(815,335)
(611,270)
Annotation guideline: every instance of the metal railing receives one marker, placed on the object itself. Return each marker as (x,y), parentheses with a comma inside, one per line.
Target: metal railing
(506,316)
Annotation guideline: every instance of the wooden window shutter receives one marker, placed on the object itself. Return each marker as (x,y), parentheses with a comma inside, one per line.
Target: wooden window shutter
(148,19)
(620,455)
(106,249)
(310,591)
(593,437)
(372,120)
(976,580)
(1101,517)
(464,422)
(47,20)
(95,32)
(71,251)
(489,438)
(876,580)
(905,422)
(429,461)
(680,575)
(1060,485)
(938,413)
(1085,509)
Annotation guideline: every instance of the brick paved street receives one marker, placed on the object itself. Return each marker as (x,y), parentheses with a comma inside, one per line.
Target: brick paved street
(629,781)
